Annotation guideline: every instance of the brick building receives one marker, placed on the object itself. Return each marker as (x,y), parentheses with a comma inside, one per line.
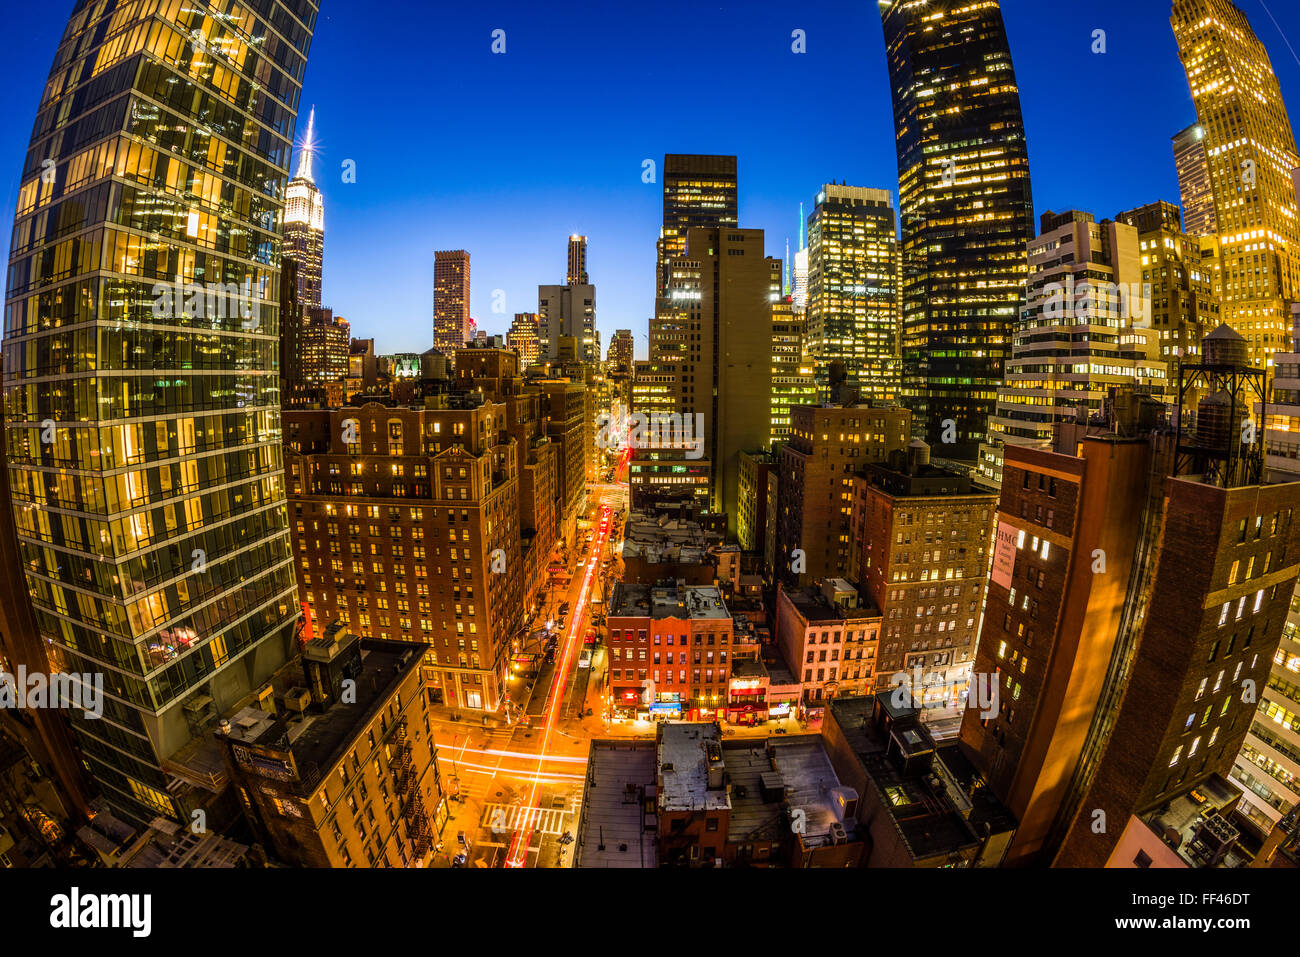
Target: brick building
(496,373)
(670,650)
(411,532)
(826,445)
(346,774)
(829,637)
(921,538)
(1131,621)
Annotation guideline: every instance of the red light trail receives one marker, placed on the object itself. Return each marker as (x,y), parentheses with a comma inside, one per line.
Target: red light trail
(519,842)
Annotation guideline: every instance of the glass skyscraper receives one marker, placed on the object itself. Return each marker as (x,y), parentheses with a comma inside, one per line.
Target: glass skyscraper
(699,190)
(965,208)
(141,387)
(1249,155)
(852,291)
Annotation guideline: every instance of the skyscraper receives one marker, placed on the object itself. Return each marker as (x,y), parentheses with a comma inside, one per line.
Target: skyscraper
(712,336)
(799,292)
(1086,329)
(852,299)
(966,211)
(304,223)
(1140,584)
(169,572)
(1250,151)
(792,369)
(567,311)
(522,337)
(1180,269)
(577,273)
(1194,182)
(451,322)
(325,338)
(621,350)
(699,190)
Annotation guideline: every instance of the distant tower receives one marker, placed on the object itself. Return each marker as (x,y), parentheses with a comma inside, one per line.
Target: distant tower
(801,268)
(304,222)
(1194,182)
(451,321)
(577,274)
(1250,152)
(699,190)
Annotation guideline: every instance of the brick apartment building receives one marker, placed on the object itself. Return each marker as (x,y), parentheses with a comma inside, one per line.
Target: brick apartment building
(496,373)
(1131,619)
(826,445)
(342,775)
(670,649)
(829,638)
(395,533)
(921,537)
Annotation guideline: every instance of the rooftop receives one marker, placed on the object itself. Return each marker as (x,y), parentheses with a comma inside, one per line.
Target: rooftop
(322,738)
(620,780)
(814,606)
(691,767)
(318,739)
(795,772)
(748,668)
(1197,825)
(935,798)
(666,601)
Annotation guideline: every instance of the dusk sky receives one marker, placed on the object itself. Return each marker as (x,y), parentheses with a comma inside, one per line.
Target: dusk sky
(506,155)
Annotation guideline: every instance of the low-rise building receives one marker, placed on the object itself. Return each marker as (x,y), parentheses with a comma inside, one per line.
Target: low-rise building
(922,803)
(343,773)
(688,799)
(669,650)
(830,637)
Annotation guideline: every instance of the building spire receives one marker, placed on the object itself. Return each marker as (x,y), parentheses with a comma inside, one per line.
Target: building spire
(308,147)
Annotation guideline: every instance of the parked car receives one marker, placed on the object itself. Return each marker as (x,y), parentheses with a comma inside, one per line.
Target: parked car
(584,659)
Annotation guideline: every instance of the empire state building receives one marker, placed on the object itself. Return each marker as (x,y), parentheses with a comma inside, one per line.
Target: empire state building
(304,223)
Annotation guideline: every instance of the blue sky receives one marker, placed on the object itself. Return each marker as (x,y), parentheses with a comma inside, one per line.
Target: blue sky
(506,155)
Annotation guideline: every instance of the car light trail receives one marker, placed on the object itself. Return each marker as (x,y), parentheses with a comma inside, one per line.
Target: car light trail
(519,841)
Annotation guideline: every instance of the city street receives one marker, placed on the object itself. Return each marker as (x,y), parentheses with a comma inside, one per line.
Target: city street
(516,789)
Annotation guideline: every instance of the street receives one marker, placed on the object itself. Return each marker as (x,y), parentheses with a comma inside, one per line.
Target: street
(517,788)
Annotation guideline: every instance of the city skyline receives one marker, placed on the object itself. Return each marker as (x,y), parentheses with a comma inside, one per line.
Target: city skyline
(995,519)
(513,208)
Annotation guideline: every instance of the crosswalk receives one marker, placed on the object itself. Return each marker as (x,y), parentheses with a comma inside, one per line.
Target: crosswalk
(512,817)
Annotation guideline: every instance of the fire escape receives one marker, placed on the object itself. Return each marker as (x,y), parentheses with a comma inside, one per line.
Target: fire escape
(406,781)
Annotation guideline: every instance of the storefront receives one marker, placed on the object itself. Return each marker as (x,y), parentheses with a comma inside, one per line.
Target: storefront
(667,706)
(626,703)
(747,700)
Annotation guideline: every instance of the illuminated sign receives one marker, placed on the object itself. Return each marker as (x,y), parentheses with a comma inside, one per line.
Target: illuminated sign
(1004,555)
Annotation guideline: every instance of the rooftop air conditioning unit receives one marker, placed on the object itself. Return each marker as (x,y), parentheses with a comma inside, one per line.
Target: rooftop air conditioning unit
(838,834)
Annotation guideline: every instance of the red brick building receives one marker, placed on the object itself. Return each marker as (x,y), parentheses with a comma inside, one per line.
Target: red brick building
(406,527)
(670,650)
